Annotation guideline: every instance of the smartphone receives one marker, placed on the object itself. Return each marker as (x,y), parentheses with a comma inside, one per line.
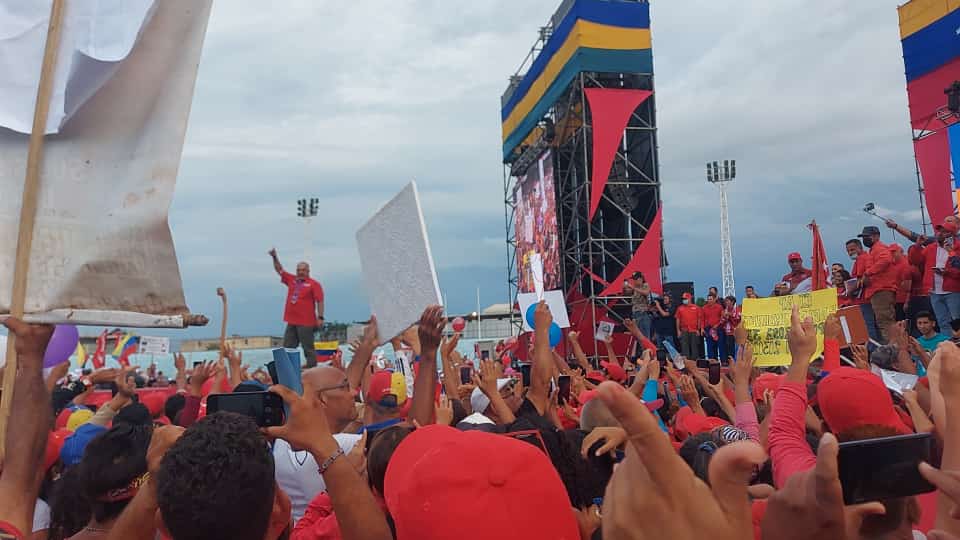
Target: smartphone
(272,371)
(195,364)
(671,350)
(563,384)
(525,374)
(465,373)
(713,373)
(630,380)
(266,408)
(666,394)
(484,355)
(884,468)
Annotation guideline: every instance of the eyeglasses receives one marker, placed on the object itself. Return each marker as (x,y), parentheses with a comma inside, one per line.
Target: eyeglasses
(341,386)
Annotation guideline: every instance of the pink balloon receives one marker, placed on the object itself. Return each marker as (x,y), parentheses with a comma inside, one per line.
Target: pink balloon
(459,324)
(62,344)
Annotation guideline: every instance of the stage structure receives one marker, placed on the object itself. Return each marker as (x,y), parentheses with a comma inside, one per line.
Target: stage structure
(581,179)
(931,55)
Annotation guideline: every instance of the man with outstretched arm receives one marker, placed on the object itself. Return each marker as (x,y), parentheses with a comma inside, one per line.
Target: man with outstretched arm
(303,311)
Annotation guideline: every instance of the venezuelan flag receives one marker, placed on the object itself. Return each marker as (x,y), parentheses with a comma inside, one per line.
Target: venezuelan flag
(130,347)
(81,355)
(325,349)
(121,343)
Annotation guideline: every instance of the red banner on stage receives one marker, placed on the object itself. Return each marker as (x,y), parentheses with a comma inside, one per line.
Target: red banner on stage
(933,156)
(610,110)
(646,260)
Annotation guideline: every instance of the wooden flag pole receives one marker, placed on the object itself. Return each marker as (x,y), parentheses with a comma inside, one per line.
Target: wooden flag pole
(28,208)
(223,323)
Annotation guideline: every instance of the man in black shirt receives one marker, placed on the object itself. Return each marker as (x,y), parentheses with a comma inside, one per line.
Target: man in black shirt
(664,321)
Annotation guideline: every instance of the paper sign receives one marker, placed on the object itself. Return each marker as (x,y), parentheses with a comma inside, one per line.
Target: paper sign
(895,380)
(154,345)
(604,330)
(102,242)
(555,301)
(853,325)
(536,268)
(405,366)
(767,321)
(398,271)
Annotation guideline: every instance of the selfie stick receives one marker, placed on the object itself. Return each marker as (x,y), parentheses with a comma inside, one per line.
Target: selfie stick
(870,208)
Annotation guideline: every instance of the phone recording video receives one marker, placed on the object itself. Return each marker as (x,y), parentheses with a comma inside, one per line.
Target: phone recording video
(885,468)
(465,373)
(713,373)
(525,374)
(563,385)
(266,408)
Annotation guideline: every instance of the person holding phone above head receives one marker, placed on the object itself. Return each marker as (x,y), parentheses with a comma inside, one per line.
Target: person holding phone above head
(304,308)
(639,290)
(940,276)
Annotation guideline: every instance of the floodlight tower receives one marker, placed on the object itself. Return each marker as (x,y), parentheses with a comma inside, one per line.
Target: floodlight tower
(721,176)
(307,209)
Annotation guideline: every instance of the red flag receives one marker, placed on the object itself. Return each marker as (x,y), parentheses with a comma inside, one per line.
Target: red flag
(820,267)
(99,356)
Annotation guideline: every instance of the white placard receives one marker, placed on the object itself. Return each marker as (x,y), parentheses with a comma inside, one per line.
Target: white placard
(102,243)
(604,330)
(895,380)
(555,301)
(154,345)
(398,271)
(405,366)
(536,268)
(846,329)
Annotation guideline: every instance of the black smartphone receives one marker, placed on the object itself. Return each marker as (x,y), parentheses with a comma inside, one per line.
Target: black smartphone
(666,394)
(465,375)
(525,374)
(884,468)
(195,364)
(272,371)
(563,386)
(713,373)
(266,408)
(630,380)
(484,355)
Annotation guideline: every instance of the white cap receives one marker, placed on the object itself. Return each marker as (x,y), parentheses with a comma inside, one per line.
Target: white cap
(479,401)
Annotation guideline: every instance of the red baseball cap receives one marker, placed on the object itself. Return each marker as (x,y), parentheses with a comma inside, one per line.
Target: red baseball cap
(794,256)
(154,402)
(615,371)
(947,226)
(386,384)
(690,423)
(686,296)
(850,398)
(54,444)
(766,381)
(595,377)
(511,484)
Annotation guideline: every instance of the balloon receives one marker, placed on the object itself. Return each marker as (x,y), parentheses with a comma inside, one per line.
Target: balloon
(62,344)
(459,324)
(530,311)
(556,335)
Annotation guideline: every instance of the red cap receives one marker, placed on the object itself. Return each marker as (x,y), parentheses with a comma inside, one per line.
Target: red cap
(510,483)
(615,371)
(850,397)
(153,402)
(947,226)
(690,423)
(766,381)
(595,377)
(54,444)
(586,396)
(794,256)
(62,418)
(384,384)
(686,296)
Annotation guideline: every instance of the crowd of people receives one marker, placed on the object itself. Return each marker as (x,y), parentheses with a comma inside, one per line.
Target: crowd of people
(531,444)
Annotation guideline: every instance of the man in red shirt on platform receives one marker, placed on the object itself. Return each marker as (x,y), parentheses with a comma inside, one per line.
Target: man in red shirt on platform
(713,328)
(904,274)
(689,327)
(303,312)
(879,279)
(798,274)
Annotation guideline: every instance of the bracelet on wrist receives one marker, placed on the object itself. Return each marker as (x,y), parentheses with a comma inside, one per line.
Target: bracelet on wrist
(330,461)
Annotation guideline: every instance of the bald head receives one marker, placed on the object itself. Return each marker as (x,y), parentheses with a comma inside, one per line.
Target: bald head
(323,376)
(596,414)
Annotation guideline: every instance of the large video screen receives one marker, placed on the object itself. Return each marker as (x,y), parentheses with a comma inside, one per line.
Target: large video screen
(536,227)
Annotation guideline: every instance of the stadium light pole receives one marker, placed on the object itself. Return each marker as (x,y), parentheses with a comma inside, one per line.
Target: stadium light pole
(721,176)
(307,209)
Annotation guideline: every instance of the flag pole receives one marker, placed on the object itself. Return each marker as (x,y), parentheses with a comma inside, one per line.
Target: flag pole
(28,208)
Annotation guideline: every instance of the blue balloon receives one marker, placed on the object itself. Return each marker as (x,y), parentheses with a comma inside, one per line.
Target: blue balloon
(556,334)
(530,313)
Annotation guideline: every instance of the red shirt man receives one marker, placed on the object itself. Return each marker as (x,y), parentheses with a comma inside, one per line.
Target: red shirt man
(303,311)
(689,318)
(797,275)
(712,313)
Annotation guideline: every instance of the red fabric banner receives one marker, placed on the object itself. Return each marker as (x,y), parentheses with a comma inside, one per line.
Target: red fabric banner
(933,156)
(820,267)
(610,109)
(646,260)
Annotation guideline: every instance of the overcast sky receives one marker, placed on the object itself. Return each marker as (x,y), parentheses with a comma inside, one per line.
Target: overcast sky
(348,101)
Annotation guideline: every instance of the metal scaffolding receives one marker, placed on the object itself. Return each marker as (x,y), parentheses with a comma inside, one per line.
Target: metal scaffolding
(721,177)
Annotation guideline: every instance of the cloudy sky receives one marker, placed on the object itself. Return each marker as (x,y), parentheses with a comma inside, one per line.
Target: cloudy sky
(348,101)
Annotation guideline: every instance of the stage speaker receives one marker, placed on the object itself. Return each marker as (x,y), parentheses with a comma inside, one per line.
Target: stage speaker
(676,289)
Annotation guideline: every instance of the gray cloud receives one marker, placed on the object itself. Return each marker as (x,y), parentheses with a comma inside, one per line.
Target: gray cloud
(347,101)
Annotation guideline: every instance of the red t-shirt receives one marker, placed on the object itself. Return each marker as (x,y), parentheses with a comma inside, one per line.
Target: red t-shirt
(689,317)
(712,313)
(904,274)
(302,297)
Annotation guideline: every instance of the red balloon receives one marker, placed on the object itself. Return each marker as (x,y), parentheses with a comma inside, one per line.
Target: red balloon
(459,324)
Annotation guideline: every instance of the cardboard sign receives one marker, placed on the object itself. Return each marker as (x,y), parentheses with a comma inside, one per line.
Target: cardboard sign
(154,345)
(604,330)
(767,321)
(854,328)
(398,271)
(554,300)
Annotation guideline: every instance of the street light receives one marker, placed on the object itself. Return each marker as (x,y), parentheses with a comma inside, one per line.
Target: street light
(306,209)
(721,176)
